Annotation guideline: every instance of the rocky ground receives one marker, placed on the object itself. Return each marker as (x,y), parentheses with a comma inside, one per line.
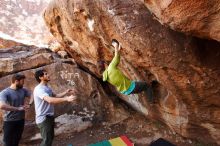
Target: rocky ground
(138,129)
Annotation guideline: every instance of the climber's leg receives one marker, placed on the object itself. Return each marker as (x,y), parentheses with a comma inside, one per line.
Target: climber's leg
(143,86)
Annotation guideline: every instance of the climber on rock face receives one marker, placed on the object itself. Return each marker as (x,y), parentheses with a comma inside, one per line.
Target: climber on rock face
(114,76)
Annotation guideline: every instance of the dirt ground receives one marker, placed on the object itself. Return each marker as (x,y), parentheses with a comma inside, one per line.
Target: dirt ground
(138,129)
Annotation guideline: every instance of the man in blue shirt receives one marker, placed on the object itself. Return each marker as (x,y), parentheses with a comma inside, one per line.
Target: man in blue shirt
(12,102)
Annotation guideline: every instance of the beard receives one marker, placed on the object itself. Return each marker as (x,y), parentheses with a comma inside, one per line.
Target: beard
(47,80)
(19,86)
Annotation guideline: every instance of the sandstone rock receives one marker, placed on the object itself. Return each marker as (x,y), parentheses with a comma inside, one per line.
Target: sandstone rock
(8,43)
(186,68)
(21,58)
(55,47)
(196,17)
(62,54)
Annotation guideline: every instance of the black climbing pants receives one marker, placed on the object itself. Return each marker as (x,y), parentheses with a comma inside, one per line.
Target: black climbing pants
(12,132)
(143,86)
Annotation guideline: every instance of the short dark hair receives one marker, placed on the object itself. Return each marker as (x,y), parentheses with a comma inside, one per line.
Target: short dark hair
(101,66)
(17,77)
(101,62)
(39,73)
(114,40)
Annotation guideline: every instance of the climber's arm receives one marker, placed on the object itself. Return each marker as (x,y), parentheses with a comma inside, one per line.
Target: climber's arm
(116,60)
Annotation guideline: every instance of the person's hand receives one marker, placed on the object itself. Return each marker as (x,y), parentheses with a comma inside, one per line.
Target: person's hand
(71,98)
(70,91)
(116,46)
(27,106)
(119,47)
(20,108)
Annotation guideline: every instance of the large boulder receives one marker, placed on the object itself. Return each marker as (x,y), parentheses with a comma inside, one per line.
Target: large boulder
(186,68)
(195,17)
(93,105)
(19,58)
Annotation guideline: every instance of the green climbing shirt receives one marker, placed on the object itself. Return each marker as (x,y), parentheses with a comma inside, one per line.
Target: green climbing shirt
(115,77)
